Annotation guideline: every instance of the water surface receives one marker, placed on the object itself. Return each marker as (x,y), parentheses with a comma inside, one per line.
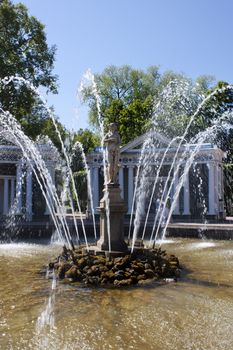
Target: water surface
(195,313)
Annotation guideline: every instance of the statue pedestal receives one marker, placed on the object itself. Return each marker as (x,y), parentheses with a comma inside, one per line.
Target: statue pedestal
(117,210)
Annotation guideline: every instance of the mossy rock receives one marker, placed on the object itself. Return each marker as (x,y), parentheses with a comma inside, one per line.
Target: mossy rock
(141,277)
(142,265)
(149,273)
(74,274)
(62,268)
(123,283)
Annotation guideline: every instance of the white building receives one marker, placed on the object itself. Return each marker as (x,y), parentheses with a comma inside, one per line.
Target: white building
(202,189)
(19,192)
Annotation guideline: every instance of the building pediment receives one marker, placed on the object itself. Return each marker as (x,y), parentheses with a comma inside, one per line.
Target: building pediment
(138,143)
(6,139)
(11,152)
(130,154)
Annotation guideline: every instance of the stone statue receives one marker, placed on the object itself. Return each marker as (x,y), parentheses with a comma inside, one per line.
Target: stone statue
(112,141)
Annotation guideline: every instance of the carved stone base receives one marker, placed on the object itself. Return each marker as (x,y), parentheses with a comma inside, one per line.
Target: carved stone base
(117,211)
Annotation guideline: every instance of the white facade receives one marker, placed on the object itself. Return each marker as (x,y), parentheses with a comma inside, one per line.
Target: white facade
(17,180)
(208,160)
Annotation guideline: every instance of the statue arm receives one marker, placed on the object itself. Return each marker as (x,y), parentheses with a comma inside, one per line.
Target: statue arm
(112,139)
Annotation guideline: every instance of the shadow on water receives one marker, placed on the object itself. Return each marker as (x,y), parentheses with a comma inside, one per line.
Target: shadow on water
(205,283)
(185,278)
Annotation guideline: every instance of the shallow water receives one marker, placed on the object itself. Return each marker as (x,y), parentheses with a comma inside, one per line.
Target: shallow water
(194,313)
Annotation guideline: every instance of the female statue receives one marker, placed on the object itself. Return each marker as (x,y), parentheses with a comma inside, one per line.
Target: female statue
(112,141)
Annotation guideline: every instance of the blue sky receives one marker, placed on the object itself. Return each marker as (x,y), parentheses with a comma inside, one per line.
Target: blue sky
(190,36)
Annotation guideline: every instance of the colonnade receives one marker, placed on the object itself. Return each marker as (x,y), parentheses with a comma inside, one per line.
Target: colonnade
(12,185)
(12,192)
(8,194)
(130,185)
(20,172)
(215,188)
(17,180)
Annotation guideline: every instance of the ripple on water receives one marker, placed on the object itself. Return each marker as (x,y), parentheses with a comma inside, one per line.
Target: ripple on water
(166,241)
(18,250)
(202,245)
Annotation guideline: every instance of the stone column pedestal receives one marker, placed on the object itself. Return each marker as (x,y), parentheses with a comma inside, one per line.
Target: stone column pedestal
(117,210)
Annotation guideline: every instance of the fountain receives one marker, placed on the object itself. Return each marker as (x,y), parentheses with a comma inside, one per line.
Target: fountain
(119,318)
(101,265)
(112,208)
(115,202)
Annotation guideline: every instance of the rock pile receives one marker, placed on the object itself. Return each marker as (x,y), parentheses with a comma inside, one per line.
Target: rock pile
(141,267)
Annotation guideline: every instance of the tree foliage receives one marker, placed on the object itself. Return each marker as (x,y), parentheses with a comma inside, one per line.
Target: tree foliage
(24,52)
(127,97)
(89,140)
(80,179)
(179,101)
(130,98)
(218,110)
(49,129)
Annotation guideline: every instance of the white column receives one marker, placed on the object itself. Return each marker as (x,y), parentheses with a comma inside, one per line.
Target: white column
(130,188)
(6,196)
(176,210)
(89,195)
(221,191)
(186,196)
(52,175)
(19,181)
(12,191)
(95,187)
(216,193)
(29,194)
(121,180)
(211,189)
(217,189)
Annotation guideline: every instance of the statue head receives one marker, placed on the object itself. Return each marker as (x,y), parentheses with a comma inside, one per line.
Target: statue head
(113,127)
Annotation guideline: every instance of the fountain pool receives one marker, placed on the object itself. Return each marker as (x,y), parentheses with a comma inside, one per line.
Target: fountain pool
(37,313)
(196,313)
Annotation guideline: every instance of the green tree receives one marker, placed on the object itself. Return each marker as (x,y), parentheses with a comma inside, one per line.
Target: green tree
(130,96)
(178,102)
(218,110)
(89,140)
(80,179)
(24,52)
(127,97)
(49,129)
